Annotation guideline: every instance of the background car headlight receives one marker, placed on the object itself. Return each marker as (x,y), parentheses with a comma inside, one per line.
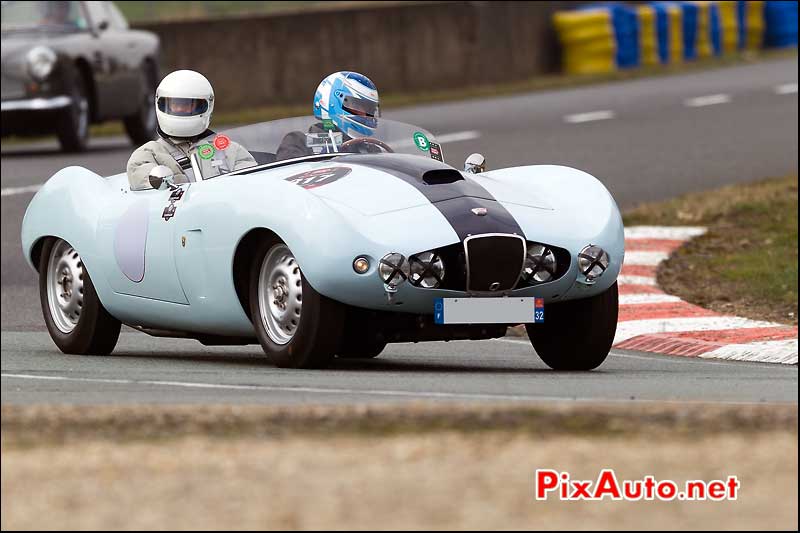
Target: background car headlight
(592,261)
(393,269)
(41,60)
(540,264)
(427,270)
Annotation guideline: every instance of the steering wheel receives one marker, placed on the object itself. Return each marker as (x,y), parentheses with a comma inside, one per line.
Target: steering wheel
(366,141)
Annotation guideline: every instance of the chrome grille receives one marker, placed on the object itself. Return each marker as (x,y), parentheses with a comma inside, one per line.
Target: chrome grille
(494,261)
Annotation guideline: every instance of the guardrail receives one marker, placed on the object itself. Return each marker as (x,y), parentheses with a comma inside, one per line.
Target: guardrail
(600,38)
(404,47)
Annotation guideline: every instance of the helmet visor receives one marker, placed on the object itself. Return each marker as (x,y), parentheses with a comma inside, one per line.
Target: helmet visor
(182,107)
(361,106)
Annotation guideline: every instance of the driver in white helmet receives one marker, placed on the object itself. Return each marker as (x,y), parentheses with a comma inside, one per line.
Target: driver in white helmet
(184,103)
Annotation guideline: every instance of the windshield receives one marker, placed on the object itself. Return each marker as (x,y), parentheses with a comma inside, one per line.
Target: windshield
(51,15)
(281,140)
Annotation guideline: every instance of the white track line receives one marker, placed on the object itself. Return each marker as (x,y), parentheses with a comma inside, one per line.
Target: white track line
(634,328)
(637,299)
(679,233)
(390,393)
(784,352)
(636,280)
(709,99)
(591,116)
(457,136)
(786,88)
(11,191)
(645,258)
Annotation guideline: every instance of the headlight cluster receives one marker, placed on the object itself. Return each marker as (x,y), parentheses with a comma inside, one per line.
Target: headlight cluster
(424,270)
(540,264)
(41,60)
(393,269)
(427,270)
(592,261)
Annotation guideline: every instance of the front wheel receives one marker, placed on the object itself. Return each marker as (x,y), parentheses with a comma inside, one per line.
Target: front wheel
(141,125)
(296,326)
(77,321)
(578,334)
(73,122)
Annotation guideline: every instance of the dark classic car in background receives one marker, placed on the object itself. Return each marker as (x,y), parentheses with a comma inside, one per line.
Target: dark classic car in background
(66,65)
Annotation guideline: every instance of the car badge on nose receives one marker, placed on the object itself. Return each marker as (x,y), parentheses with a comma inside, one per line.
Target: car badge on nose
(479,211)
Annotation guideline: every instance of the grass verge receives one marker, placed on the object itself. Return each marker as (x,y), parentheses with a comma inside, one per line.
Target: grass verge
(421,467)
(747,262)
(26,426)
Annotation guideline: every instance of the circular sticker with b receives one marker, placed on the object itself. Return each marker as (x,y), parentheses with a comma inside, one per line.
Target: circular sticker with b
(421,141)
(206,151)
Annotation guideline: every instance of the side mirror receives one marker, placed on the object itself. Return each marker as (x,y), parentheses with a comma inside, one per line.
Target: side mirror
(161,177)
(475,164)
(103,25)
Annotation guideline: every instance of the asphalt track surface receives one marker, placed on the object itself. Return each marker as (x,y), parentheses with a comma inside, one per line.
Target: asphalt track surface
(646,139)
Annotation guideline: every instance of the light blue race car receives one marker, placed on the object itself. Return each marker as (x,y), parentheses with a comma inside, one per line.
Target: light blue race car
(355,243)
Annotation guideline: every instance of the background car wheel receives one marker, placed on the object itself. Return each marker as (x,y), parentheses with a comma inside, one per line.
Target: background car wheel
(77,321)
(360,348)
(296,326)
(141,126)
(73,122)
(578,334)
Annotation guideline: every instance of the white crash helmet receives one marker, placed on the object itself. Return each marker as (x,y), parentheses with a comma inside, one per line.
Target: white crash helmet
(184,103)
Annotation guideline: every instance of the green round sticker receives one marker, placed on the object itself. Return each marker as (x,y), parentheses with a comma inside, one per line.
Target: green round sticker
(421,141)
(206,151)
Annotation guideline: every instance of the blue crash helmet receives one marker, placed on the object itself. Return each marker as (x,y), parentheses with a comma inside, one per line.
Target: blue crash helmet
(350,101)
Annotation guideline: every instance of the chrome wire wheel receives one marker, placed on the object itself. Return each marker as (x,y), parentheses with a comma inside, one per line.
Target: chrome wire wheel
(280,294)
(65,286)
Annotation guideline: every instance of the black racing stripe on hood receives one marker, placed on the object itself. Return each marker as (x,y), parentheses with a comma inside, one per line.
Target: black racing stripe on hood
(455,201)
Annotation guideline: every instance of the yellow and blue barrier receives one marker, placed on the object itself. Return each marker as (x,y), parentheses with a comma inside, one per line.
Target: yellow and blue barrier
(781,23)
(610,36)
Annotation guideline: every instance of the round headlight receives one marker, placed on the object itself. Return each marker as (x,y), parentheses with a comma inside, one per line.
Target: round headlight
(592,261)
(393,269)
(361,265)
(427,270)
(41,60)
(540,264)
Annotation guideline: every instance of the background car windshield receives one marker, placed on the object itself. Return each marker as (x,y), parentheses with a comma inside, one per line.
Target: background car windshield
(305,136)
(30,15)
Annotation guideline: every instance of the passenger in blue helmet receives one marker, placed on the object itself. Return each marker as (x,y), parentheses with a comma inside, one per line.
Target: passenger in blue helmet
(350,100)
(345,102)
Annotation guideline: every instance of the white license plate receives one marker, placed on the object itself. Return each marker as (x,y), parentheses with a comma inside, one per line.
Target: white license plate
(488,310)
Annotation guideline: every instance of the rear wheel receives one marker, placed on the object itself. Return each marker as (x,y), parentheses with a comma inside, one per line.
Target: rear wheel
(77,321)
(578,334)
(73,122)
(296,326)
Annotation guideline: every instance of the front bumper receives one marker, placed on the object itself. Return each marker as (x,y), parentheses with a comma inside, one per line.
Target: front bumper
(36,104)
(32,116)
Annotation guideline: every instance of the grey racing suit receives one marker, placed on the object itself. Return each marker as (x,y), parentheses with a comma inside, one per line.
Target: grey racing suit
(175,154)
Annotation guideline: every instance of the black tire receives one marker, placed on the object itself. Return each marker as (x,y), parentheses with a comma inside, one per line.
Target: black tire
(318,331)
(73,122)
(141,126)
(578,334)
(360,348)
(96,331)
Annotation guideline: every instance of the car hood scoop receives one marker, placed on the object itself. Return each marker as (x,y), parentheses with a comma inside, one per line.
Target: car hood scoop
(383,183)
